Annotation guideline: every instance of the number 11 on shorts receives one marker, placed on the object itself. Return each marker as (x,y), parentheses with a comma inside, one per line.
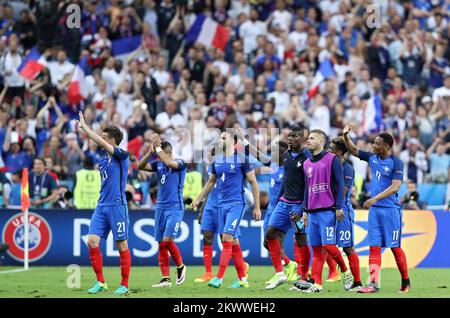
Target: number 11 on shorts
(395,235)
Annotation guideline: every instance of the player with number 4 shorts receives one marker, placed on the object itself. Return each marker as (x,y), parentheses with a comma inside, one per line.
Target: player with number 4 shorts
(208,218)
(170,207)
(230,170)
(385,213)
(111,213)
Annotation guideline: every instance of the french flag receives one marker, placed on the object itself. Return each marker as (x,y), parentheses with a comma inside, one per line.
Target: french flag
(373,115)
(32,64)
(122,47)
(78,87)
(208,32)
(324,72)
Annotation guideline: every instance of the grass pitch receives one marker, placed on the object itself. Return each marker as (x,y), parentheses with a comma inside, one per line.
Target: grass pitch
(42,282)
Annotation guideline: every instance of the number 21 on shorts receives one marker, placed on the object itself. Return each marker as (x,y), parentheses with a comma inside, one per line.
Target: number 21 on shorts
(120,227)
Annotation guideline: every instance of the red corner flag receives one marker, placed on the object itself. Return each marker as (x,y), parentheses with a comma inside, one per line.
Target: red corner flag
(25,196)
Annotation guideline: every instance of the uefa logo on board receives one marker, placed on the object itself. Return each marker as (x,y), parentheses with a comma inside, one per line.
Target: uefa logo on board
(39,236)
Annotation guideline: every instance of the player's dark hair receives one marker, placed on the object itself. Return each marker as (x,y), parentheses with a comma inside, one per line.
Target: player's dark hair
(115,133)
(339,144)
(387,138)
(282,146)
(297,128)
(320,132)
(88,163)
(165,145)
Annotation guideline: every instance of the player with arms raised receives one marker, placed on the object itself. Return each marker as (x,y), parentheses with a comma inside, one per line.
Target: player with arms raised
(385,213)
(170,206)
(230,170)
(111,213)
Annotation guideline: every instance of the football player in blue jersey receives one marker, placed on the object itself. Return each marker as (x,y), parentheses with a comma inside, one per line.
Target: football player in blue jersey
(230,170)
(170,206)
(208,218)
(111,213)
(345,228)
(276,164)
(385,211)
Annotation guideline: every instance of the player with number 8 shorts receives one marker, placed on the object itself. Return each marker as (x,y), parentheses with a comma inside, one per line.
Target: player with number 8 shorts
(111,213)
(385,213)
(170,206)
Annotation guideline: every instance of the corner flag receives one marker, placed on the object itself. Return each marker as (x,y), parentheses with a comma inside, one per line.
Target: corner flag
(25,197)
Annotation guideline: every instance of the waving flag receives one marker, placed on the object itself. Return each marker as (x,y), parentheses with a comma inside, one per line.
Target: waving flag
(32,64)
(78,87)
(373,115)
(24,194)
(324,72)
(122,47)
(208,32)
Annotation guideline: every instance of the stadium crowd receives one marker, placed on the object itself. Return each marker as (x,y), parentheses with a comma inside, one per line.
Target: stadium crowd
(261,80)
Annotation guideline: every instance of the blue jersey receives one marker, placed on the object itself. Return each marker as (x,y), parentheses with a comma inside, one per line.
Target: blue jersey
(383,173)
(170,184)
(114,172)
(276,181)
(349,178)
(231,172)
(213,196)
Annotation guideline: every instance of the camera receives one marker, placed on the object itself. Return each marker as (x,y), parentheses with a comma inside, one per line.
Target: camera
(413,197)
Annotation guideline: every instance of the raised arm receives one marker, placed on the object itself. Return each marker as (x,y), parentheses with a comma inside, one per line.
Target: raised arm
(41,113)
(433,147)
(348,141)
(143,163)
(165,158)
(94,136)
(254,150)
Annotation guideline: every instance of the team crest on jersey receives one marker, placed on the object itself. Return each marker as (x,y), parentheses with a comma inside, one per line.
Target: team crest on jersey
(299,164)
(232,166)
(386,169)
(39,236)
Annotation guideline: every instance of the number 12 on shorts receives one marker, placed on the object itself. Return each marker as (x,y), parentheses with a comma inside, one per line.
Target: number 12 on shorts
(330,232)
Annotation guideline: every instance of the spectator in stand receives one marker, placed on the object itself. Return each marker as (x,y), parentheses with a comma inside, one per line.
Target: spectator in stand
(9,63)
(41,185)
(16,183)
(5,190)
(60,68)
(280,97)
(439,162)
(410,200)
(14,156)
(167,121)
(26,29)
(415,162)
